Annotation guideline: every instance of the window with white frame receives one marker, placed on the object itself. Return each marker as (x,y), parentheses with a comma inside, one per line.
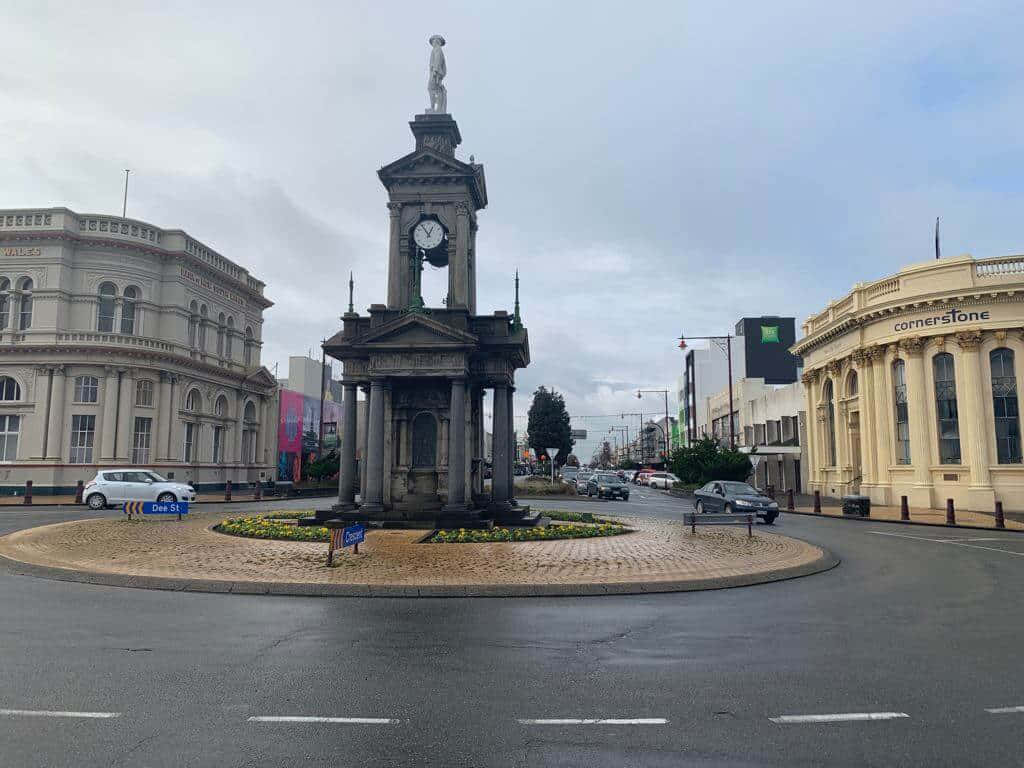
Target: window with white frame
(25,316)
(131,295)
(107,308)
(220,335)
(144,393)
(227,337)
(189,452)
(9,389)
(5,302)
(9,427)
(83,432)
(87,389)
(218,444)
(141,440)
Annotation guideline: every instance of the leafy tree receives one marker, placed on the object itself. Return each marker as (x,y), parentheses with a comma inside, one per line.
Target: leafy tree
(548,424)
(326,467)
(706,460)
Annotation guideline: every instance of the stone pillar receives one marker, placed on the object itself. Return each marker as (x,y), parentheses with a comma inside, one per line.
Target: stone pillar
(809,379)
(457,449)
(458,281)
(109,415)
(347,473)
(500,492)
(126,415)
(163,415)
(398,272)
(363,443)
(510,468)
(882,415)
(173,422)
(974,426)
(867,422)
(920,434)
(55,429)
(261,431)
(374,490)
(239,427)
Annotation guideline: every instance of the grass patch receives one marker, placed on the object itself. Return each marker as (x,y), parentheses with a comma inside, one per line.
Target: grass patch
(552,532)
(266,528)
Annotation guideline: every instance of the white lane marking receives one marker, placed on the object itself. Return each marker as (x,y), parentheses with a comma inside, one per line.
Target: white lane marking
(313,719)
(954,542)
(54,713)
(595,721)
(838,718)
(1004,710)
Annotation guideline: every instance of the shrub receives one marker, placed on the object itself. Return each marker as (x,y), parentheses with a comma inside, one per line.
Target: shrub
(706,460)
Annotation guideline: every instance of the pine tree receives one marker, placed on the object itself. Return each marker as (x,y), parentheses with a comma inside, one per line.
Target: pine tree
(548,425)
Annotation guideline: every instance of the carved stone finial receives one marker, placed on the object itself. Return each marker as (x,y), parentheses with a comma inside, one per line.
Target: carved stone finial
(517,322)
(968,339)
(351,288)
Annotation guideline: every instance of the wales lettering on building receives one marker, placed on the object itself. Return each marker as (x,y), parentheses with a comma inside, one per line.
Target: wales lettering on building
(211,286)
(951,317)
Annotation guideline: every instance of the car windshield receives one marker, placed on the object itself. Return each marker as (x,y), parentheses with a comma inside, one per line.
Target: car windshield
(740,489)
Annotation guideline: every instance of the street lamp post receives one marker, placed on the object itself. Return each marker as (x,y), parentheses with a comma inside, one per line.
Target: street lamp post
(728,357)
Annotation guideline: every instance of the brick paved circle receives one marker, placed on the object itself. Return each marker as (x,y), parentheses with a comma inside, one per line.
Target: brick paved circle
(658,556)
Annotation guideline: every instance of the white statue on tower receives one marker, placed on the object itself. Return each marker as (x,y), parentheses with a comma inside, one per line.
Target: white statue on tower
(438,94)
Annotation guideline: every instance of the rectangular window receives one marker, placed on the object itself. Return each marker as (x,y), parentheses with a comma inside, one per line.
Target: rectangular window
(191,435)
(83,431)
(1005,406)
(945,408)
(246,446)
(218,445)
(902,417)
(141,440)
(144,393)
(86,389)
(9,427)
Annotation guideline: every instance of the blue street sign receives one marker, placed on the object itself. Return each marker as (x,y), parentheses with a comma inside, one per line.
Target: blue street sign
(353,534)
(165,508)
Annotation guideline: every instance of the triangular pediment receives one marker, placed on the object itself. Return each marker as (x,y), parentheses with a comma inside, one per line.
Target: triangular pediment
(425,162)
(416,330)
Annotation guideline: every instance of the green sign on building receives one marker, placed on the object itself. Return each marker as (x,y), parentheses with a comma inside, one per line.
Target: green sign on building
(769,334)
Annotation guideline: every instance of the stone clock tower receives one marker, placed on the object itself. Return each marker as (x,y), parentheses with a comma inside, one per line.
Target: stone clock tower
(427,370)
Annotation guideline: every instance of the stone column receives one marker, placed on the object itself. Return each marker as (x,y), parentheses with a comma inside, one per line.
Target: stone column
(974,426)
(374,489)
(457,449)
(174,423)
(163,415)
(239,427)
(458,283)
(398,272)
(261,431)
(867,422)
(126,415)
(882,415)
(500,492)
(364,443)
(55,429)
(109,415)
(347,473)
(510,468)
(920,434)
(809,378)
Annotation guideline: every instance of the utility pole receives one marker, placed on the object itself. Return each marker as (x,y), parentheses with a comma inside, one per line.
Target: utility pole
(323,364)
(728,357)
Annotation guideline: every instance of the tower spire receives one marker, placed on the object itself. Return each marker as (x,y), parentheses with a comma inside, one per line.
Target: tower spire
(351,286)
(516,320)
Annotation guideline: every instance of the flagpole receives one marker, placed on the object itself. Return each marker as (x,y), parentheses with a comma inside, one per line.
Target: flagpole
(938,252)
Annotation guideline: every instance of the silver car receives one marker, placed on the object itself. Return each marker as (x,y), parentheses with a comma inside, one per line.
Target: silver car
(114,486)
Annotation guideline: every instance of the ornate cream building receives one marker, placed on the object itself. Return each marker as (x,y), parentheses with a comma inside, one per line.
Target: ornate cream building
(914,384)
(125,344)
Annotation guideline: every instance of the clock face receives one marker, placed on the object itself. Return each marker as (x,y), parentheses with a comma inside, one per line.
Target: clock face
(428,234)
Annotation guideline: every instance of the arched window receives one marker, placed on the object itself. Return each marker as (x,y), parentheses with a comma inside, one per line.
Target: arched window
(105,316)
(248,346)
(5,302)
(144,392)
(87,389)
(221,409)
(131,294)
(220,335)
(194,401)
(250,412)
(1005,406)
(25,318)
(9,389)
(193,310)
(202,328)
(945,408)
(851,384)
(899,392)
(227,337)
(830,421)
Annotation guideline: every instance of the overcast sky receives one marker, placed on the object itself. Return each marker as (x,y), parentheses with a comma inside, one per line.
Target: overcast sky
(653,168)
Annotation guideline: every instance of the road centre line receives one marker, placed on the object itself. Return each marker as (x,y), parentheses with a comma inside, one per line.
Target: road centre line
(595,721)
(1004,710)
(839,718)
(954,542)
(315,719)
(56,713)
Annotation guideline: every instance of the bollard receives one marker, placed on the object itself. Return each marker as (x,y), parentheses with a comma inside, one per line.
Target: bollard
(904,509)
(817,502)
(693,524)
(227,491)
(79,491)
(950,513)
(789,500)
(1000,520)
(28,491)
(750,526)
(258,492)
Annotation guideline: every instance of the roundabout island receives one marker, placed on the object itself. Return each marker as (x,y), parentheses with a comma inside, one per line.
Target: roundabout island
(608,555)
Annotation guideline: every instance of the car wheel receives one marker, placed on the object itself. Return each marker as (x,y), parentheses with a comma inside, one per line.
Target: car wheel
(769,519)
(96,501)
(700,507)
(727,509)
(166,498)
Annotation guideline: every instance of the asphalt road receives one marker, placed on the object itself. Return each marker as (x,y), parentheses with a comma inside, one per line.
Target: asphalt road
(922,622)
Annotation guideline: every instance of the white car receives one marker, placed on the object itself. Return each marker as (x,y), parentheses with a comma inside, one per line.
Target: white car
(662,480)
(114,486)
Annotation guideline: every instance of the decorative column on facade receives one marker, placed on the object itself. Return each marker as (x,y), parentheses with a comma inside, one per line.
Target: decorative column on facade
(398,273)
(364,443)
(374,489)
(836,370)
(865,385)
(882,417)
(920,443)
(500,492)
(126,414)
(809,380)
(261,431)
(511,447)
(458,286)
(239,427)
(55,428)
(442,452)
(347,472)
(457,448)
(109,414)
(973,422)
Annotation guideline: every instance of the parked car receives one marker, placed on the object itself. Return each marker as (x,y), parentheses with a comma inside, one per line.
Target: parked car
(643,476)
(607,485)
(662,480)
(114,486)
(729,496)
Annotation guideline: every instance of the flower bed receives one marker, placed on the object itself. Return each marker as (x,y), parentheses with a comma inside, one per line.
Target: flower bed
(552,532)
(268,528)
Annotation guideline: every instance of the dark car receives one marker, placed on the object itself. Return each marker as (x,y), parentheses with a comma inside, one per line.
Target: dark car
(607,485)
(729,496)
